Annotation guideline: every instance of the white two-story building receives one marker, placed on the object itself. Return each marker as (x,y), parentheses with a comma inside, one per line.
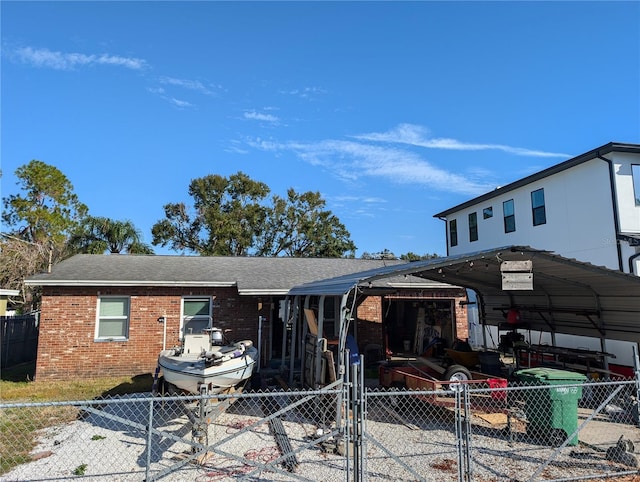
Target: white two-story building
(586,208)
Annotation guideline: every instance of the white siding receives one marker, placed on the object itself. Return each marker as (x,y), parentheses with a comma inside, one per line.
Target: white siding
(579,216)
(629,213)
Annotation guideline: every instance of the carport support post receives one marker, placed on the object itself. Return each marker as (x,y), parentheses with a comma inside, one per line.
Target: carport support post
(318,356)
(343,353)
(294,339)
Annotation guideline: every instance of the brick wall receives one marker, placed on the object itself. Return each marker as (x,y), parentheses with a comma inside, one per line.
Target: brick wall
(370,316)
(458,297)
(66,346)
(370,329)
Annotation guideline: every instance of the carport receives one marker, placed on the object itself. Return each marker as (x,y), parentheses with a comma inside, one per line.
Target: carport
(549,292)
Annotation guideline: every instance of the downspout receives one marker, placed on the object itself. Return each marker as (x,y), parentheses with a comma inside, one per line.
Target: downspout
(632,258)
(614,203)
(446,233)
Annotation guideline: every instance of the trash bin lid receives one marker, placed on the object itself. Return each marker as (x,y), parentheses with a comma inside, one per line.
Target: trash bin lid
(549,374)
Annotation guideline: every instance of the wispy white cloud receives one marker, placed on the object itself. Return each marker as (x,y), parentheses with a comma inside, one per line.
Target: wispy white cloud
(161,92)
(419,136)
(253,115)
(180,103)
(305,93)
(194,85)
(46,58)
(350,161)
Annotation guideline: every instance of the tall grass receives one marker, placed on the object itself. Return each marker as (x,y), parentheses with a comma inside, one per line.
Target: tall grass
(19,426)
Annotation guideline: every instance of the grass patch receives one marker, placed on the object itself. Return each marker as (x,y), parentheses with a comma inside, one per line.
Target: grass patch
(19,426)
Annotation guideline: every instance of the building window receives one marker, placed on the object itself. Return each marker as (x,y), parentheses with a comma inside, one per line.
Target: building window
(473,226)
(329,313)
(537,207)
(453,232)
(113,318)
(635,174)
(196,314)
(509,216)
(487,212)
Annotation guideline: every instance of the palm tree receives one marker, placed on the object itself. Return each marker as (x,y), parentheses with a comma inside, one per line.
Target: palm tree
(100,234)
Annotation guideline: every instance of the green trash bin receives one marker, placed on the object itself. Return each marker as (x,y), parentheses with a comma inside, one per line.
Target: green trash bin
(552,414)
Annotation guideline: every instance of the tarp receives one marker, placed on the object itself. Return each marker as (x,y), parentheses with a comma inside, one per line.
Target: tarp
(567,296)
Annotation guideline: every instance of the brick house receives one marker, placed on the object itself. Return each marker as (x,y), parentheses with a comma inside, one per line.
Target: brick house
(110,315)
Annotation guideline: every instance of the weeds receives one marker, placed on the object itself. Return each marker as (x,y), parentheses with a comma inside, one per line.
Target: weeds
(80,469)
(19,425)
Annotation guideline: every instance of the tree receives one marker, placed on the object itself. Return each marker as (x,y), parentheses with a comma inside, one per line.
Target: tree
(226,217)
(299,226)
(41,217)
(100,234)
(411,256)
(47,210)
(384,254)
(232,216)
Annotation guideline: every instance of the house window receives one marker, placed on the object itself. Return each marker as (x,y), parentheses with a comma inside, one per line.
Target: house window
(453,232)
(509,216)
(329,321)
(196,314)
(537,207)
(113,318)
(635,174)
(487,212)
(473,226)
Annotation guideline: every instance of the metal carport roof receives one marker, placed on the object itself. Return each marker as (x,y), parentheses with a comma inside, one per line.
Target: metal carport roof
(568,296)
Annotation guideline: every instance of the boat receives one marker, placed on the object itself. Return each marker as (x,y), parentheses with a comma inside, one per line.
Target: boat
(205,364)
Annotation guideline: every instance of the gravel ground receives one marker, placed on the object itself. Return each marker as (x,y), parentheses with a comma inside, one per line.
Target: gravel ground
(404,446)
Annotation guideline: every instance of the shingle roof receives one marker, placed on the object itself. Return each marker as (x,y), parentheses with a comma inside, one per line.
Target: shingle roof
(252,275)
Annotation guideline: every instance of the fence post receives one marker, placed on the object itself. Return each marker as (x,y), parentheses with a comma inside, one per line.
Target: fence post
(463,431)
(467,431)
(357,404)
(636,367)
(346,406)
(149,441)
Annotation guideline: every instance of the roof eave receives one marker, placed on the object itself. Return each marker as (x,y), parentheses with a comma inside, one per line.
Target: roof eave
(587,156)
(173,284)
(263,292)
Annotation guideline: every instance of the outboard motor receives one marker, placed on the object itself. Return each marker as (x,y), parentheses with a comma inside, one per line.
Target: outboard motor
(217,339)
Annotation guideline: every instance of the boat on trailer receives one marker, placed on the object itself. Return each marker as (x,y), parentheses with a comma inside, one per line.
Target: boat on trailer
(205,364)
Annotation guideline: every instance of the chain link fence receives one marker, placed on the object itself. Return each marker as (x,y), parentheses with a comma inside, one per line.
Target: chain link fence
(288,435)
(529,430)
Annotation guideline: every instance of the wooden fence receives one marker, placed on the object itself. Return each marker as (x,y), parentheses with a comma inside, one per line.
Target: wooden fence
(19,337)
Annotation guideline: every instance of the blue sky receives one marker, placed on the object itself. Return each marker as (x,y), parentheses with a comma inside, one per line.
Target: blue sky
(393,111)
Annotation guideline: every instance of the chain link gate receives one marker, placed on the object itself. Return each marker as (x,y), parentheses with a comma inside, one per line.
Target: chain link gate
(516,433)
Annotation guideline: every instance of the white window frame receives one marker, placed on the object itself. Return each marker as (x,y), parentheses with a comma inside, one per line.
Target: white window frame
(506,217)
(535,209)
(473,226)
(453,233)
(126,318)
(183,317)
